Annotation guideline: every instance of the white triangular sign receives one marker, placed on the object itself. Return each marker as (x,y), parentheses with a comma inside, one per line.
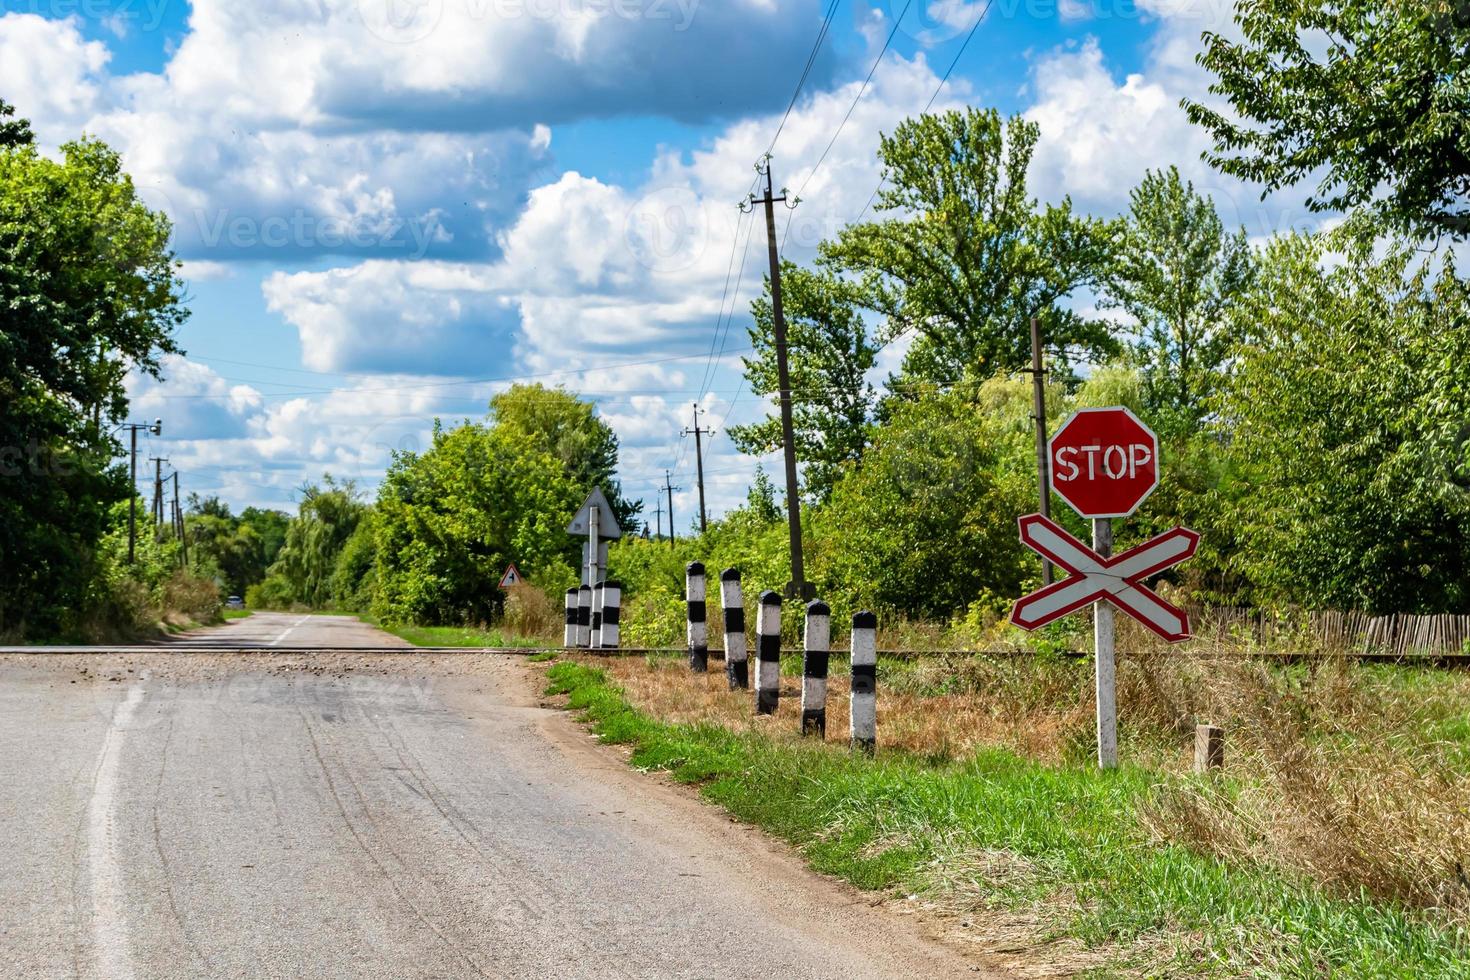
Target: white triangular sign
(512,577)
(607,524)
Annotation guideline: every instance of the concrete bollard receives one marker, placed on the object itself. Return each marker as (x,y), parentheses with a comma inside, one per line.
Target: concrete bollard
(596,623)
(584,616)
(768,654)
(737,666)
(816,647)
(698,628)
(612,606)
(569,638)
(1209,747)
(864,704)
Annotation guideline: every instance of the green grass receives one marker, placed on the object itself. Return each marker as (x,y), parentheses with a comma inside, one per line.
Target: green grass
(234,613)
(1064,842)
(545,656)
(460,636)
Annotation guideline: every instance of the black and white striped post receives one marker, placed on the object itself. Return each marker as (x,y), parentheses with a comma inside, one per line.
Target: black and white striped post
(864,707)
(569,638)
(596,624)
(584,616)
(612,604)
(768,654)
(737,666)
(698,627)
(817,652)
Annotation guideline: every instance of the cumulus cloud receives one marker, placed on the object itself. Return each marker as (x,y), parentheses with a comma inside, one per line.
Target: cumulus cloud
(196,401)
(52,73)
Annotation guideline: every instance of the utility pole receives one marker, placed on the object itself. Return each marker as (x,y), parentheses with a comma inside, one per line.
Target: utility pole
(699,465)
(668,484)
(158,462)
(179,523)
(658,517)
(155,427)
(798,587)
(1038,387)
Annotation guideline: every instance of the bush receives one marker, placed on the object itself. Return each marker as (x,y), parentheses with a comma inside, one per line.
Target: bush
(274,593)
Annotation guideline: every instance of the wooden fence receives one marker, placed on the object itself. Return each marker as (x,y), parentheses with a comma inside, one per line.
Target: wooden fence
(1397,635)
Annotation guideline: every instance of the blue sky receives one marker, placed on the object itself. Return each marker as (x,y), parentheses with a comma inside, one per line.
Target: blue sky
(388,209)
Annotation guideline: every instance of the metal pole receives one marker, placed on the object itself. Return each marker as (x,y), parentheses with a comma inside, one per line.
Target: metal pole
(133,498)
(592,556)
(1038,384)
(1107,672)
(783,377)
(699,466)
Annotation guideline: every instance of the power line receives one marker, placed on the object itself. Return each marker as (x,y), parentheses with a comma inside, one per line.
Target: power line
(937,89)
(861,92)
(806,71)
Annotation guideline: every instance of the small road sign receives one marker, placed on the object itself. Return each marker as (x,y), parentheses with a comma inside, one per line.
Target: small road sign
(512,577)
(1118,579)
(1104,461)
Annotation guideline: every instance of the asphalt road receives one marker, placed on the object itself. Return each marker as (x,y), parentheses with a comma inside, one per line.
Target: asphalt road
(271,630)
(349,815)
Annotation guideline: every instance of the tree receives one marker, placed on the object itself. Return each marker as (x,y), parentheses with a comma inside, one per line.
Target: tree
(967,258)
(568,429)
(450,519)
(89,291)
(1381,110)
(829,356)
(1346,413)
(327,517)
(1177,271)
(14,131)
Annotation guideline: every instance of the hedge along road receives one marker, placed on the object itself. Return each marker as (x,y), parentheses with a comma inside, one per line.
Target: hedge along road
(345,815)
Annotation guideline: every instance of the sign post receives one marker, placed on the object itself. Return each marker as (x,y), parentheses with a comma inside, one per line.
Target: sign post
(1103,463)
(594,519)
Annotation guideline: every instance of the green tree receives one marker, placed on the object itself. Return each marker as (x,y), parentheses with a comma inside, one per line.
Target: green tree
(449,519)
(89,291)
(14,131)
(968,257)
(567,429)
(1346,412)
(927,525)
(829,355)
(327,517)
(1367,96)
(1176,273)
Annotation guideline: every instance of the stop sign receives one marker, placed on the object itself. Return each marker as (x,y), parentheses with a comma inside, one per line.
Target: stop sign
(1104,461)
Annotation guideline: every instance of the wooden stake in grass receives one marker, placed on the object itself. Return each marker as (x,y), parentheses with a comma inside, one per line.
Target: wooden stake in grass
(768,652)
(612,603)
(1209,747)
(584,616)
(816,655)
(864,706)
(698,628)
(737,667)
(569,637)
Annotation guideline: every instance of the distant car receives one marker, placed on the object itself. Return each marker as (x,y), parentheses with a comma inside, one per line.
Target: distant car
(234,602)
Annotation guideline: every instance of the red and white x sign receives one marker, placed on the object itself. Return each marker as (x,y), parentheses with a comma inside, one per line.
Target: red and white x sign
(1117,579)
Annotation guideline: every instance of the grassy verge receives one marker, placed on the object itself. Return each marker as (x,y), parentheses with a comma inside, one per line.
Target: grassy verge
(999,831)
(461,636)
(229,614)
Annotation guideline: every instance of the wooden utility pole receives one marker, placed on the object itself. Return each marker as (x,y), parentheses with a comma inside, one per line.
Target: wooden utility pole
(797,589)
(1038,387)
(668,485)
(658,518)
(133,496)
(158,462)
(699,465)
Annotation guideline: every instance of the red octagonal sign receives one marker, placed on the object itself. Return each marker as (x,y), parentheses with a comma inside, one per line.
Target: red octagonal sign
(1104,461)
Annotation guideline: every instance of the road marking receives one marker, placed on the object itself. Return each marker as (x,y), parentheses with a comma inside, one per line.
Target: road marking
(289,630)
(109,930)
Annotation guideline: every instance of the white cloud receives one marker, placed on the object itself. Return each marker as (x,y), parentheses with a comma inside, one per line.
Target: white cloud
(51,73)
(193,399)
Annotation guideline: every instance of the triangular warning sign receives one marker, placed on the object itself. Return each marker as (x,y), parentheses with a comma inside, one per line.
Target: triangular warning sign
(512,577)
(607,524)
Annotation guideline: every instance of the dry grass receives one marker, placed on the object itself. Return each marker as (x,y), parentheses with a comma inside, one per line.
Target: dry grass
(1354,776)
(530,612)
